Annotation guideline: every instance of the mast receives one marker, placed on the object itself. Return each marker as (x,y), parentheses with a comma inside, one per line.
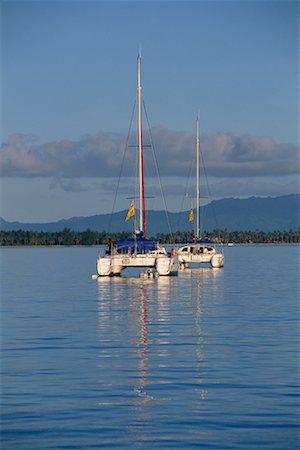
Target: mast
(142,209)
(197,181)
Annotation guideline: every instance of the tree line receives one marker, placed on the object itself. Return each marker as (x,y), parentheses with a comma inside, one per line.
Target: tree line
(89,237)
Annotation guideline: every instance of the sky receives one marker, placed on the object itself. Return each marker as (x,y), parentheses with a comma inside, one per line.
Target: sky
(68,88)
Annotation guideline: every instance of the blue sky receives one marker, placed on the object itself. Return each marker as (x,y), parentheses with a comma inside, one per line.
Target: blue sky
(69,84)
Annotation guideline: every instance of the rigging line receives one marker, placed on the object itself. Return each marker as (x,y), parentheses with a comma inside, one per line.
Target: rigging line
(157,170)
(133,184)
(207,187)
(185,194)
(122,165)
(208,190)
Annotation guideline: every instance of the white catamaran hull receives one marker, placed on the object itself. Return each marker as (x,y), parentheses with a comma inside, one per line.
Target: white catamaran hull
(217,260)
(167,265)
(199,254)
(113,265)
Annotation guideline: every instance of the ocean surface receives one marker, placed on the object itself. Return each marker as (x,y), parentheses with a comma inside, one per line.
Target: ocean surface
(208,359)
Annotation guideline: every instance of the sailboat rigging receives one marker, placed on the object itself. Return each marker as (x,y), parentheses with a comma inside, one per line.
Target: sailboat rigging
(138,251)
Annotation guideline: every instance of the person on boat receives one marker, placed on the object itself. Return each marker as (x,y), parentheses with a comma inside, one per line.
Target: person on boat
(110,244)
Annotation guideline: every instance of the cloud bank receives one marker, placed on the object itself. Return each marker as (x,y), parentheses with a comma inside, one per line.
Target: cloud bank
(100,155)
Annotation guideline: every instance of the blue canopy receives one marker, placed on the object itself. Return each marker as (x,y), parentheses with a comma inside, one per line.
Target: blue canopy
(140,244)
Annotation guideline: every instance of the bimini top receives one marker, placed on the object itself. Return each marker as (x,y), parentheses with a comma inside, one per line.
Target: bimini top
(140,245)
(201,241)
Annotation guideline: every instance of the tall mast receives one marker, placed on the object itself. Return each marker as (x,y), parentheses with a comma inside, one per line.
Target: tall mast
(197,181)
(142,209)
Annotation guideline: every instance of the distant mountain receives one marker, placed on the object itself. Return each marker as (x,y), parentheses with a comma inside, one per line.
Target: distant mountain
(254,213)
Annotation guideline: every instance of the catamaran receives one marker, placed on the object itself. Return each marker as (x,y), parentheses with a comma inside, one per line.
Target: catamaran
(138,251)
(199,251)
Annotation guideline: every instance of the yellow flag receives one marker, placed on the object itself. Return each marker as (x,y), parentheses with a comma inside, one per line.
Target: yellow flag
(131,211)
(191,216)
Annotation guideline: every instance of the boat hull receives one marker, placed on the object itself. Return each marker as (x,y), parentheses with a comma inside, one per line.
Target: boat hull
(113,265)
(199,254)
(167,265)
(217,260)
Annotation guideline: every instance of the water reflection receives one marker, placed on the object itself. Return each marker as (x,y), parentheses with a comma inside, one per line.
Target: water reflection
(152,342)
(203,272)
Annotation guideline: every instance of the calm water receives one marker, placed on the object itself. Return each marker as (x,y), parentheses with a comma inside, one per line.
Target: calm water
(209,359)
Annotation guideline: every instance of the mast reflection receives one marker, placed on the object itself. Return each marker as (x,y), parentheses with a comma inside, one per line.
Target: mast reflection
(140,390)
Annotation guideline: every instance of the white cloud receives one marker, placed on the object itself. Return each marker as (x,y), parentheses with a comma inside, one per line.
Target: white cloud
(226,155)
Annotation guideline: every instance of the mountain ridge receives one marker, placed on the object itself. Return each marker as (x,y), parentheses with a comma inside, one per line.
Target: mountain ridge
(250,214)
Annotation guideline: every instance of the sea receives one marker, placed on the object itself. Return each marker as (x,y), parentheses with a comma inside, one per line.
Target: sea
(208,359)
